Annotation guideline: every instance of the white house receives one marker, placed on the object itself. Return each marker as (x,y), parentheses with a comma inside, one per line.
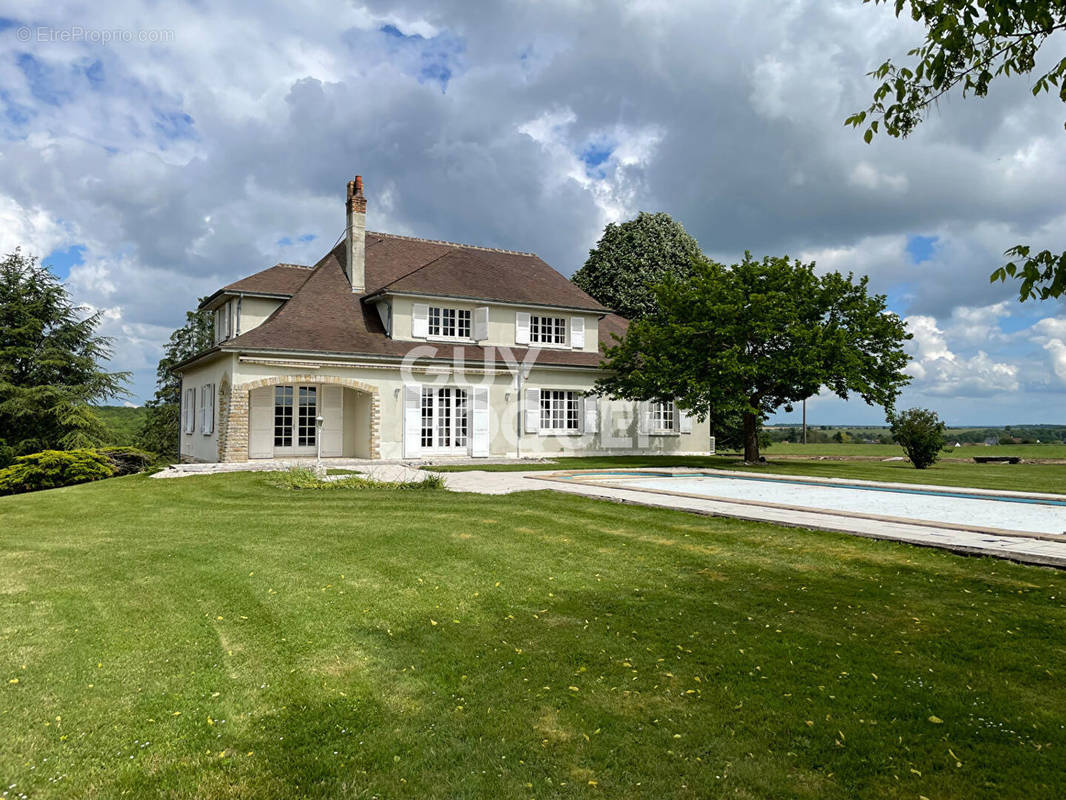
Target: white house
(395,347)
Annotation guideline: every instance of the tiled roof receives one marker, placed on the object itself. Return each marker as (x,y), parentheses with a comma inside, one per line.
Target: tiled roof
(322,314)
(278,279)
(325,316)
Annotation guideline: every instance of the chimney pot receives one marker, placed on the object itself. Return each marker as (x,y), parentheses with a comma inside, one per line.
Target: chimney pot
(355,261)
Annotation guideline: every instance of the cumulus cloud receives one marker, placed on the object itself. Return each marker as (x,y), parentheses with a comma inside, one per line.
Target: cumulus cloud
(184,165)
(938,370)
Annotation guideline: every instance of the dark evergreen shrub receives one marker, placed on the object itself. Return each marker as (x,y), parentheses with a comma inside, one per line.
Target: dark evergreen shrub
(54,468)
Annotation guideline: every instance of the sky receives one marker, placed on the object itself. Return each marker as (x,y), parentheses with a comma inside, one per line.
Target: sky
(151,153)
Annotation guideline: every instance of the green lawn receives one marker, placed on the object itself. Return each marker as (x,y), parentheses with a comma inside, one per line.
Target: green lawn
(1014,477)
(1057,451)
(215,636)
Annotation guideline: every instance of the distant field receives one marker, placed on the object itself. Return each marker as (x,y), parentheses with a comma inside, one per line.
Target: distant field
(890,450)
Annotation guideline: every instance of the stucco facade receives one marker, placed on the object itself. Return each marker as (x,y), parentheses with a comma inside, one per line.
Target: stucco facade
(371,423)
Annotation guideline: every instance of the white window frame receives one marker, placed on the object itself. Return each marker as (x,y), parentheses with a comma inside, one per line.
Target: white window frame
(449,322)
(207,409)
(190,410)
(662,417)
(559,412)
(547,330)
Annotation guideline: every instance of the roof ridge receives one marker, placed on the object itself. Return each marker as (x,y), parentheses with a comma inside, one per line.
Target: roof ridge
(452,244)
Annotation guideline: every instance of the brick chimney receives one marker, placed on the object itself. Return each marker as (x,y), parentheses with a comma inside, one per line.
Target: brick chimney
(355,236)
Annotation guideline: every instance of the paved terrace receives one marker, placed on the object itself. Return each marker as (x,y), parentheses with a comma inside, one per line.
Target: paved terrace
(1042,549)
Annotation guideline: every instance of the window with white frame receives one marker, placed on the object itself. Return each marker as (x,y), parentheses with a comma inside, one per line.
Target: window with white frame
(222,323)
(207,409)
(451,323)
(559,410)
(663,416)
(547,330)
(190,410)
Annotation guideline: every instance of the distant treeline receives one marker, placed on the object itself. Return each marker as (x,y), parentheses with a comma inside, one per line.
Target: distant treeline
(1008,434)
(123,423)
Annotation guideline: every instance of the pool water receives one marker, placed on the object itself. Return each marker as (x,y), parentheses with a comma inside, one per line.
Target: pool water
(948,506)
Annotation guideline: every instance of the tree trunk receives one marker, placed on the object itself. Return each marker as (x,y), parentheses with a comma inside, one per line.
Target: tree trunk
(751,438)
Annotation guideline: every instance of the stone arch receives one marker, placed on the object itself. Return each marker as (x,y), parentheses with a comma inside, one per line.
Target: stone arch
(233,438)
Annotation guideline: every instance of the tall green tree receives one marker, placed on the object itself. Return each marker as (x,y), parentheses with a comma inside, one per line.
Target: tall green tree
(968,44)
(631,257)
(162,424)
(757,336)
(50,362)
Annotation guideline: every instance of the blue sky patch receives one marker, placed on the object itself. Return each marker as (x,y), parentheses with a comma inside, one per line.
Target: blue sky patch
(921,248)
(94,73)
(15,113)
(41,80)
(434,60)
(174,124)
(60,262)
(288,241)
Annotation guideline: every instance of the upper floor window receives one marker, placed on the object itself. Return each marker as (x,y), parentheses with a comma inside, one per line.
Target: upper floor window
(547,330)
(663,416)
(222,323)
(453,323)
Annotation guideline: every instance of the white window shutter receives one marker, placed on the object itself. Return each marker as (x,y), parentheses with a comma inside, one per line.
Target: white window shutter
(684,422)
(521,327)
(643,414)
(577,333)
(203,408)
(591,413)
(479,422)
(481,323)
(261,422)
(209,408)
(412,419)
(332,411)
(420,321)
(190,410)
(532,411)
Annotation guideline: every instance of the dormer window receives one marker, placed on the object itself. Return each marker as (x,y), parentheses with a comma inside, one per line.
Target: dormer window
(222,322)
(449,323)
(547,330)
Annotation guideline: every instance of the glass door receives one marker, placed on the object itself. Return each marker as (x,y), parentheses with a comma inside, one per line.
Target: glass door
(295,415)
(445,419)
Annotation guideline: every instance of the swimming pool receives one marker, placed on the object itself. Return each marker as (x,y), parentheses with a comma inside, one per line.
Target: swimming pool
(943,506)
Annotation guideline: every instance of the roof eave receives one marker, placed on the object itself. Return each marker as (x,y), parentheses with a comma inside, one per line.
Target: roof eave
(209,302)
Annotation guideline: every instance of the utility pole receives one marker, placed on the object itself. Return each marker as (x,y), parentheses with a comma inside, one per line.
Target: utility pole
(805,420)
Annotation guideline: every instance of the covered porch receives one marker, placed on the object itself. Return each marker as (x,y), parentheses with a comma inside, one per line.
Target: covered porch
(298,417)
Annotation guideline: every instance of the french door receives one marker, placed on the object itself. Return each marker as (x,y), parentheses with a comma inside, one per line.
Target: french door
(445,419)
(295,413)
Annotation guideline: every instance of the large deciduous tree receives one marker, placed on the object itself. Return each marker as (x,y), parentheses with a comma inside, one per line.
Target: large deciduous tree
(631,257)
(968,44)
(757,336)
(160,431)
(51,361)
